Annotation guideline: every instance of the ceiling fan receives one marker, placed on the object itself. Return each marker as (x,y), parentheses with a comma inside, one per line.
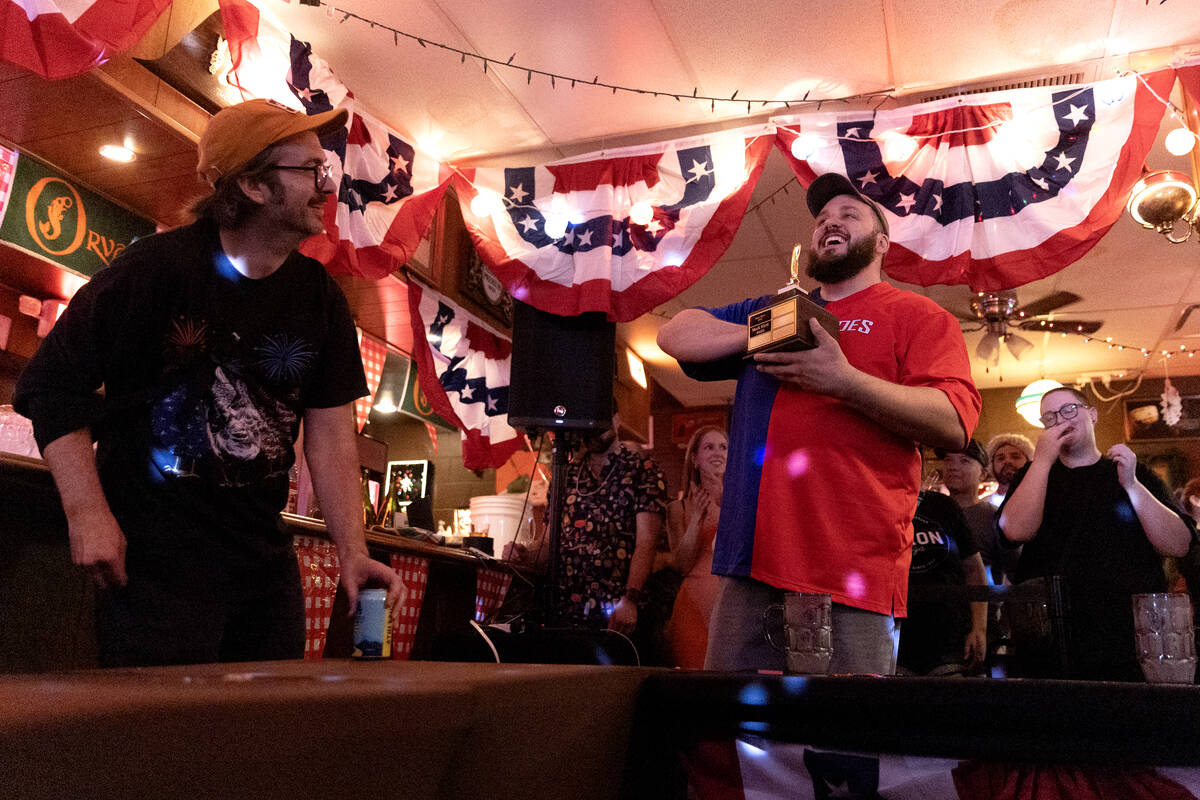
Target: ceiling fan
(998,312)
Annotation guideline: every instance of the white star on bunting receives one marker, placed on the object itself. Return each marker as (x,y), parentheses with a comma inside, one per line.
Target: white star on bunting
(1077,114)
(699,170)
(1064,161)
(518,193)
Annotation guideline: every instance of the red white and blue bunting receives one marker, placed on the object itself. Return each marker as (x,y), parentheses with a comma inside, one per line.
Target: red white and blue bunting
(604,255)
(64,38)
(1002,188)
(388,190)
(463,368)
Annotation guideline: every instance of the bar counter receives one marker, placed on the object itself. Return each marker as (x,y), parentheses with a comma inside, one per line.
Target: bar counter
(339,728)
(46,604)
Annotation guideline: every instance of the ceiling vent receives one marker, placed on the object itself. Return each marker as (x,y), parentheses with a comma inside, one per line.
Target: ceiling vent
(1075,75)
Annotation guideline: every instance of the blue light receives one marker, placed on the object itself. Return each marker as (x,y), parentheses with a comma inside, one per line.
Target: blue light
(754,695)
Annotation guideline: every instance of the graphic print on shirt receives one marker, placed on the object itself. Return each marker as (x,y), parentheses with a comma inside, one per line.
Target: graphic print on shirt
(228,409)
(932,545)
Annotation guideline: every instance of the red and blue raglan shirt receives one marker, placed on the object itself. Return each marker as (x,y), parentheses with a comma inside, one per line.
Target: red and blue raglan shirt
(818,496)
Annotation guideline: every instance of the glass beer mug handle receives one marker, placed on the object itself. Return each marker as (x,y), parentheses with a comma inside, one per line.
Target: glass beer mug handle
(769,625)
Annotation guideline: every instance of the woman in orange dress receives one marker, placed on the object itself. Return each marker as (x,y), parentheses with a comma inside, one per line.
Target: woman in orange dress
(691,527)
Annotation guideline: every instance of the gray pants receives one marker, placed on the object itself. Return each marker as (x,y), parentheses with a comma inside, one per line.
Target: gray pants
(864,642)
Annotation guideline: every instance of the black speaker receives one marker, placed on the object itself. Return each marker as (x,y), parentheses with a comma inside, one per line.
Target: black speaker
(562,370)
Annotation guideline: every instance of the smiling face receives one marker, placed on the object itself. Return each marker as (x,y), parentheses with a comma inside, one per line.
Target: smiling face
(846,241)
(294,202)
(711,453)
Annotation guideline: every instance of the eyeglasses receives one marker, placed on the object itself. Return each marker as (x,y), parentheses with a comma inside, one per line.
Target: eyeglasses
(320,173)
(1051,418)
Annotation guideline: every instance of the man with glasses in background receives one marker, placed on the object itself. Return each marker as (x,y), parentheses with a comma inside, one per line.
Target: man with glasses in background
(1103,522)
(212,343)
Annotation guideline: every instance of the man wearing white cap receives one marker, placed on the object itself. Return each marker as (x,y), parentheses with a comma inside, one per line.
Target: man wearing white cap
(823,459)
(212,343)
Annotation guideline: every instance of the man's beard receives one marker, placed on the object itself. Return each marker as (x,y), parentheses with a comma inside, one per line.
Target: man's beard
(859,256)
(1006,474)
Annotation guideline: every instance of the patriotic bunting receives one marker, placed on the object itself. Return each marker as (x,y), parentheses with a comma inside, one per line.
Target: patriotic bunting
(388,191)
(608,257)
(64,38)
(1189,79)
(464,371)
(1004,188)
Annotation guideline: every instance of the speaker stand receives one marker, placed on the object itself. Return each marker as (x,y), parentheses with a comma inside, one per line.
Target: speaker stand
(563,442)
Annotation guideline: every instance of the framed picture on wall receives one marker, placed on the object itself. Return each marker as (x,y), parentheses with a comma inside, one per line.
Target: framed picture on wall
(479,284)
(1144,421)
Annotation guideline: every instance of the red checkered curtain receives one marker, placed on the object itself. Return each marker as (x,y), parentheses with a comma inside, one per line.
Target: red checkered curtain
(414,571)
(8,170)
(490,587)
(374,354)
(319,579)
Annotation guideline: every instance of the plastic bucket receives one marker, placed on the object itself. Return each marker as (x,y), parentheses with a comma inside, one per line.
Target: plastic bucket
(500,516)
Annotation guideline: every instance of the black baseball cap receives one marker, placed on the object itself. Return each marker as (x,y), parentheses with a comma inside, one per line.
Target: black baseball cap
(831,185)
(973,450)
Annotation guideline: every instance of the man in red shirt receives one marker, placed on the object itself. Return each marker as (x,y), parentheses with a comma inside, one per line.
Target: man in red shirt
(824,468)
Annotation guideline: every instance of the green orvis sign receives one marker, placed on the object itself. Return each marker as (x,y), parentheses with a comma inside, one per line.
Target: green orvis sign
(51,216)
(415,404)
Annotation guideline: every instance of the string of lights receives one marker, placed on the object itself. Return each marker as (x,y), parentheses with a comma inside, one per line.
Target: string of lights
(575,80)
(783,188)
(1111,345)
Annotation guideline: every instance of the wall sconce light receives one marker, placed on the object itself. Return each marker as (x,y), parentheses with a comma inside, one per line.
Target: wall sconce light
(1160,200)
(637,369)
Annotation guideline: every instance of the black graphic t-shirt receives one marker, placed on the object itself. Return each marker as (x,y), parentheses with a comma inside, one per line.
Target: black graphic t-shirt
(206,375)
(934,631)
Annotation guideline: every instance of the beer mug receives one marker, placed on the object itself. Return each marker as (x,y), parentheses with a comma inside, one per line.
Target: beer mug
(1165,638)
(808,630)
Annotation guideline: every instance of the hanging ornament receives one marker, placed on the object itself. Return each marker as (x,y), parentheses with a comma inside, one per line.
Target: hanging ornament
(1172,404)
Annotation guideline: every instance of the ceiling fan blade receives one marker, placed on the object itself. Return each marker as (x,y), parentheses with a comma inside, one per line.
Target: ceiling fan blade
(1045,305)
(988,349)
(1082,326)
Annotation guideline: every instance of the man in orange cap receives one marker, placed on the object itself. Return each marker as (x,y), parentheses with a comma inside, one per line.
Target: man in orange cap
(212,343)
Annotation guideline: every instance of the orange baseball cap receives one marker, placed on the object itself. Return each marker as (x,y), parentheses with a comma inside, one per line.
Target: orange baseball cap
(238,133)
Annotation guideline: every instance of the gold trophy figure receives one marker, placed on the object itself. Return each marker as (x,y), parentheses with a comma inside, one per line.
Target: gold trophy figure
(783,325)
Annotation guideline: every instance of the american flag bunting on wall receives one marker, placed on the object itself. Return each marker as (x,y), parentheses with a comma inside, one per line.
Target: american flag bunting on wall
(64,38)
(463,368)
(697,191)
(1004,187)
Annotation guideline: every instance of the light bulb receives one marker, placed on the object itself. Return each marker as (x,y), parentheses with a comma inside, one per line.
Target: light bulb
(555,225)
(804,145)
(485,203)
(1180,141)
(641,213)
(898,147)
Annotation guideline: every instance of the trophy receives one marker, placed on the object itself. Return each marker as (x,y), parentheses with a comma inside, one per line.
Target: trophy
(783,325)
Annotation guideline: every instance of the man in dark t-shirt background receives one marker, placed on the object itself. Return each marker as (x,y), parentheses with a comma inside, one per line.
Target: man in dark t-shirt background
(942,636)
(1101,522)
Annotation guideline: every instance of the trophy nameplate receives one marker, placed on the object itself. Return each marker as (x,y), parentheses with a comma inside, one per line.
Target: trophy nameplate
(783,325)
